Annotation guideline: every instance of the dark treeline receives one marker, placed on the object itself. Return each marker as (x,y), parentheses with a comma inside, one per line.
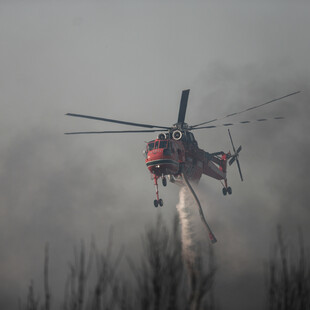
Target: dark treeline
(288,285)
(162,278)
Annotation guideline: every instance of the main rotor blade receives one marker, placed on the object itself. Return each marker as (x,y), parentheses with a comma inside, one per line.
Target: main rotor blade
(248,109)
(110,131)
(116,121)
(183,106)
(237,123)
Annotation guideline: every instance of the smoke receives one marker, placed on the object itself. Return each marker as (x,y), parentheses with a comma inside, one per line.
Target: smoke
(184,208)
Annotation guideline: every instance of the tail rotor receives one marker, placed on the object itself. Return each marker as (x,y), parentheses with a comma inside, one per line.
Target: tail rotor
(234,157)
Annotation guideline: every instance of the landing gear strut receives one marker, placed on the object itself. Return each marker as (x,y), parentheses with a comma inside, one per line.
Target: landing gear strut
(158,201)
(226,189)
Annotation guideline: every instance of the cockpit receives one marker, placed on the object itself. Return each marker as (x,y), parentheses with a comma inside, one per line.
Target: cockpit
(161,144)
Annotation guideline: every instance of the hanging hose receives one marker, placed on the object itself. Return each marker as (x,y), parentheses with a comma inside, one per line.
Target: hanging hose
(211,235)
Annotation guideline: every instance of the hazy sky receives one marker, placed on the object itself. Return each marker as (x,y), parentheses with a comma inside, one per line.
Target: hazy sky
(130,60)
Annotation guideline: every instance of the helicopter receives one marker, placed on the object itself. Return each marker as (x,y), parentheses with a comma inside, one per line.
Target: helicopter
(175,151)
(175,155)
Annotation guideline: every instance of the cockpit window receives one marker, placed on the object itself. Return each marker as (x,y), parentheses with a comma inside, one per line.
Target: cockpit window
(158,144)
(163,144)
(150,146)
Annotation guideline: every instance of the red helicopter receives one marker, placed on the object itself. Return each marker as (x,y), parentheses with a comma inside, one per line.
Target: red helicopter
(175,154)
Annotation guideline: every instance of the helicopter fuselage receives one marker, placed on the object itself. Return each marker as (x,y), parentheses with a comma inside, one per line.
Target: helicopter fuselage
(178,152)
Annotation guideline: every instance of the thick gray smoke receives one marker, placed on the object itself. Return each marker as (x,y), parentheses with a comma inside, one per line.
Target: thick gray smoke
(115,60)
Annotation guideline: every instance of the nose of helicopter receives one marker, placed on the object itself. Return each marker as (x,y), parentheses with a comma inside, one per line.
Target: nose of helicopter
(160,163)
